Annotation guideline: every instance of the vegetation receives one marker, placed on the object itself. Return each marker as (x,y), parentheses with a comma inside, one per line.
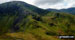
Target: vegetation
(34,26)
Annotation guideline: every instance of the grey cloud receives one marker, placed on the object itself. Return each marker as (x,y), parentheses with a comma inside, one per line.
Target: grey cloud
(3,1)
(73,5)
(50,2)
(15,0)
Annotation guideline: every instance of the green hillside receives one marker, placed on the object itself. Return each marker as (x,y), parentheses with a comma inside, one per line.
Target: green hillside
(31,25)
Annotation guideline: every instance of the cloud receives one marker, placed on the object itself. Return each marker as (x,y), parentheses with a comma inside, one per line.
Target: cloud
(73,5)
(3,1)
(55,4)
(14,0)
(49,2)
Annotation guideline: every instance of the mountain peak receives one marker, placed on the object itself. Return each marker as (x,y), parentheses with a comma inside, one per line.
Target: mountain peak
(20,7)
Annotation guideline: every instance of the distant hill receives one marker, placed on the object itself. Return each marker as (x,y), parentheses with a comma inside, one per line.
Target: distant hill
(69,10)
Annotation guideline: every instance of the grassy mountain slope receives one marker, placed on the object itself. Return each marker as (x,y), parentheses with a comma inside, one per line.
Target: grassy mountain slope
(38,27)
(30,25)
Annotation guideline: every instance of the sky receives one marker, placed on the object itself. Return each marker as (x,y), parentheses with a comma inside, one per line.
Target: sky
(54,4)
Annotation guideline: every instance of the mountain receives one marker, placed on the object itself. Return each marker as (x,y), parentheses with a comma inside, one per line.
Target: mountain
(69,10)
(22,21)
(20,7)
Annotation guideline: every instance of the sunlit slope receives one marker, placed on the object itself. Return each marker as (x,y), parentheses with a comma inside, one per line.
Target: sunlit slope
(38,27)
